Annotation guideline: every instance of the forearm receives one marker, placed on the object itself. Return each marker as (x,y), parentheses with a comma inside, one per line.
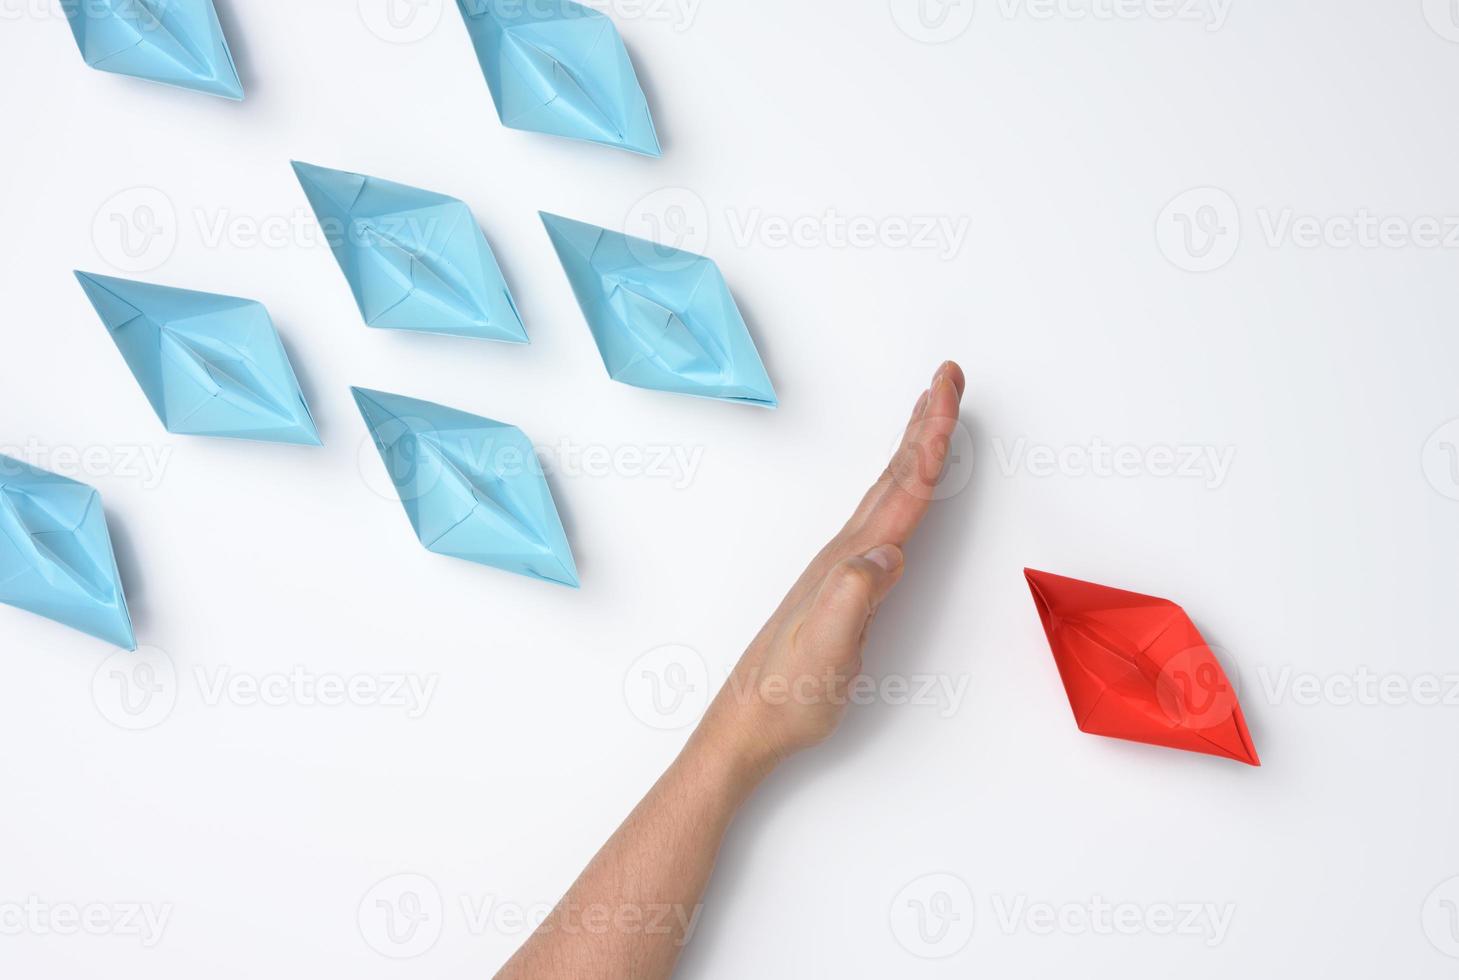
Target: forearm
(629,914)
(635,906)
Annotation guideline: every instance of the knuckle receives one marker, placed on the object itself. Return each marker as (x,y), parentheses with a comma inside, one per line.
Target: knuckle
(850,577)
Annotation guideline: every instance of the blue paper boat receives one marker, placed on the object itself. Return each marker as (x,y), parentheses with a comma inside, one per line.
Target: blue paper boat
(414,259)
(176,42)
(472,488)
(560,68)
(210,365)
(663,318)
(55,553)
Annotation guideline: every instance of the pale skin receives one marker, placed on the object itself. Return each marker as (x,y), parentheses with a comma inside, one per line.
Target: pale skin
(634,906)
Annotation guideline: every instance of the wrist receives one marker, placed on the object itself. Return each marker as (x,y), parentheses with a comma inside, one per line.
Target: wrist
(730,749)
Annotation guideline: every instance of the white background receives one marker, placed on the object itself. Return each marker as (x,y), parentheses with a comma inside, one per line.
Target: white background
(1059,135)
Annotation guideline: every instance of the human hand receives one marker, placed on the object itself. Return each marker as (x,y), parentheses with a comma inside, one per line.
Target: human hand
(791,687)
(788,692)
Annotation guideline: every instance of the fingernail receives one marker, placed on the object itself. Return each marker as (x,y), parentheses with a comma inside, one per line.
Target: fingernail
(941,371)
(922,403)
(886,557)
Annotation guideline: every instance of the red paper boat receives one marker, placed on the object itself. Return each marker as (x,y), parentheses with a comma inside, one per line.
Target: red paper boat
(1135,667)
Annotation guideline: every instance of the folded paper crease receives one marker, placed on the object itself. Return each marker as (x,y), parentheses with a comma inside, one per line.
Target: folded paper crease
(472,487)
(209,364)
(175,42)
(558,67)
(414,259)
(56,556)
(1135,667)
(662,318)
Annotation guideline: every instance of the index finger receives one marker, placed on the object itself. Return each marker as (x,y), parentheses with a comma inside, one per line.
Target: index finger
(896,504)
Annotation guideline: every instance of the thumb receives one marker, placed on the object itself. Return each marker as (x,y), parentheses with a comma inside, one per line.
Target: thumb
(850,593)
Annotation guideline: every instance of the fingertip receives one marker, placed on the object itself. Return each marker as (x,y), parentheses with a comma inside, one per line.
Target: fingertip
(954,373)
(945,395)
